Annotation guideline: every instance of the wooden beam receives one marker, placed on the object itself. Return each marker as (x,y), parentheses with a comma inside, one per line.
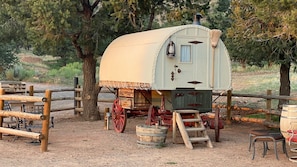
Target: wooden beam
(268,107)
(45,123)
(16,132)
(174,128)
(21,115)
(229,102)
(23,98)
(2,92)
(182,130)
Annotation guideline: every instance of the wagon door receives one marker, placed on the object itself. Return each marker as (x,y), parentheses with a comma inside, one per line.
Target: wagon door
(191,63)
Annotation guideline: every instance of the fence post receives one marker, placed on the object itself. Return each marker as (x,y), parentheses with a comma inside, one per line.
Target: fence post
(106,118)
(45,123)
(77,102)
(268,106)
(75,81)
(229,101)
(31,90)
(2,92)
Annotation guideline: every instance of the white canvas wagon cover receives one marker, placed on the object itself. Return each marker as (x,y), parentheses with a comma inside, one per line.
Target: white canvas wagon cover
(139,61)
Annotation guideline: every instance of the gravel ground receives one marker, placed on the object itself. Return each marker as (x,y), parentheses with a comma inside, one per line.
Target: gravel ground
(77,143)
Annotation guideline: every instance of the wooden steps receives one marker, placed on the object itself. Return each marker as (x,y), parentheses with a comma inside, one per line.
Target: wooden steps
(190,135)
(199,139)
(195,129)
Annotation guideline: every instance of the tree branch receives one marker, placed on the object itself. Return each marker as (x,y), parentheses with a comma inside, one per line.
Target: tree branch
(74,39)
(85,2)
(95,4)
(97,88)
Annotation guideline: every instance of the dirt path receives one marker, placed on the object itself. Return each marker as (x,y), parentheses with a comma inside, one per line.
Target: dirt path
(77,143)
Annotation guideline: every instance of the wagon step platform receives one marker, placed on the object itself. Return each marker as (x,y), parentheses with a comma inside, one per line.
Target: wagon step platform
(190,135)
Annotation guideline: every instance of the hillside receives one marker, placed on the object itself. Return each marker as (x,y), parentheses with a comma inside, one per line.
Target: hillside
(251,80)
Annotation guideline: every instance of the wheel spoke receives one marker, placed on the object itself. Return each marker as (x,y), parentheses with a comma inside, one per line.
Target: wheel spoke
(119,117)
(217,129)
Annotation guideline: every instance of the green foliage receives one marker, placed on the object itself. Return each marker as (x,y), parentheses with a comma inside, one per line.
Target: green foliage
(40,71)
(218,16)
(7,58)
(136,15)
(182,12)
(18,73)
(260,32)
(257,83)
(237,67)
(64,75)
(8,41)
(12,31)
(274,118)
(278,17)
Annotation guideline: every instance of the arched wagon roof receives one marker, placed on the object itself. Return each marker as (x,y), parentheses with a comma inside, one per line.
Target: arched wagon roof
(130,60)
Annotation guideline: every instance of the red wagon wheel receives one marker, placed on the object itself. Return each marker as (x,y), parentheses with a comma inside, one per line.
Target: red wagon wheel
(152,118)
(216,123)
(119,116)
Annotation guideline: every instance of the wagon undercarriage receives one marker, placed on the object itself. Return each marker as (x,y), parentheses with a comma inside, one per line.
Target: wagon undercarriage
(130,102)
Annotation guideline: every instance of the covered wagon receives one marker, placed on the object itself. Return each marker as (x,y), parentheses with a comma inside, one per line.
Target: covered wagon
(172,68)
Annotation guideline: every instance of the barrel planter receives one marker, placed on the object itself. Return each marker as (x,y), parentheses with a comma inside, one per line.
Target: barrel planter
(151,136)
(288,115)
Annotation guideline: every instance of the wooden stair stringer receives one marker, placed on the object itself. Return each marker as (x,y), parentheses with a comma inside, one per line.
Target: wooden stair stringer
(199,128)
(205,135)
(183,131)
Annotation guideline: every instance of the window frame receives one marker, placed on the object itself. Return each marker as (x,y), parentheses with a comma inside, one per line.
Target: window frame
(188,58)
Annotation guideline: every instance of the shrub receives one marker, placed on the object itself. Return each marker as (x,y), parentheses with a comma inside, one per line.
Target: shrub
(18,73)
(65,74)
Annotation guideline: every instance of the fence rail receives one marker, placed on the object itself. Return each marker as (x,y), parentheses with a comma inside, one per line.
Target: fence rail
(45,117)
(268,111)
(77,107)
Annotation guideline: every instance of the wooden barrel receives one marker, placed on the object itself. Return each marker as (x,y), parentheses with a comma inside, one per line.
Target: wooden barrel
(151,136)
(288,115)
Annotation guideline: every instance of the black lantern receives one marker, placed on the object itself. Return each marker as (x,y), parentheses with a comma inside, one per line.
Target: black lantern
(170,51)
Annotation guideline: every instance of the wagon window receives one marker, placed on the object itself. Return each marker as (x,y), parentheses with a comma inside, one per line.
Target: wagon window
(185,55)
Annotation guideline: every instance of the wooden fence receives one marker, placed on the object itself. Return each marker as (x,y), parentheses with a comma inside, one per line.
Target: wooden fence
(45,117)
(268,97)
(77,97)
(268,111)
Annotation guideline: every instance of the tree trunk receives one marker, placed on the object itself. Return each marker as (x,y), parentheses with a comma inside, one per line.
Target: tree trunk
(90,90)
(86,52)
(243,64)
(152,17)
(284,83)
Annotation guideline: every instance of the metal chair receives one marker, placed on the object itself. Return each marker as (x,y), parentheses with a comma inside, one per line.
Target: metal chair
(36,125)
(12,121)
(29,125)
(266,136)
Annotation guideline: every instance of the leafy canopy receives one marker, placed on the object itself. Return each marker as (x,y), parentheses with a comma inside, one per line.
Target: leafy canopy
(263,31)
